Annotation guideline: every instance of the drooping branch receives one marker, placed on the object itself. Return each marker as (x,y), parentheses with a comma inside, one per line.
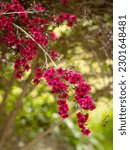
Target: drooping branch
(43,49)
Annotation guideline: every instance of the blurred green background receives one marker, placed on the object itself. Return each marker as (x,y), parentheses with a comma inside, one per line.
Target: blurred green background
(86,48)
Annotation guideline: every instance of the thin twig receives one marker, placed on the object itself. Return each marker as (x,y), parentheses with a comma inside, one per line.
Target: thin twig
(10,13)
(43,49)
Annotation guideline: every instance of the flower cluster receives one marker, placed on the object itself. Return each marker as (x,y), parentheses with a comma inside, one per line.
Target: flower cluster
(15,6)
(25,46)
(10,39)
(59,80)
(71,19)
(82,98)
(81,121)
(55,82)
(38,75)
(6,23)
(63,108)
(39,7)
(38,34)
(26,54)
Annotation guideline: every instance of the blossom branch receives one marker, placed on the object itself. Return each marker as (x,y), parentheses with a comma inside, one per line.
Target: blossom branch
(43,49)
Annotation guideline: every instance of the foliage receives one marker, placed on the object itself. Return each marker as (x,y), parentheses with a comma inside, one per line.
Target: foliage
(86,48)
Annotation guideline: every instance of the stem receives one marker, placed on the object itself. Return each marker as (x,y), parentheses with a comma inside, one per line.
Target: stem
(21,12)
(43,49)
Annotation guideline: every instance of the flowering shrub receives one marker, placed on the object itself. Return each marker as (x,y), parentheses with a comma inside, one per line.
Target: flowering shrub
(33,35)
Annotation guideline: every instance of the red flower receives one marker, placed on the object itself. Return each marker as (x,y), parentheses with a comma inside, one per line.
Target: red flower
(64,95)
(39,73)
(64,2)
(70,24)
(39,7)
(17,67)
(82,118)
(81,121)
(36,81)
(23,61)
(86,131)
(53,36)
(82,89)
(54,54)
(18,75)
(27,67)
(63,108)
(73,18)
(60,71)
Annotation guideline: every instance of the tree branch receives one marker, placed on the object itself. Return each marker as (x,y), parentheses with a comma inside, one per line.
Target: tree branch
(20,12)
(43,49)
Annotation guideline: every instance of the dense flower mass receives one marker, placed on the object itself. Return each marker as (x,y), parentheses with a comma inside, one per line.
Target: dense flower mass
(26,34)
(54,54)
(59,80)
(81,121)
(63,108)
(71,19)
